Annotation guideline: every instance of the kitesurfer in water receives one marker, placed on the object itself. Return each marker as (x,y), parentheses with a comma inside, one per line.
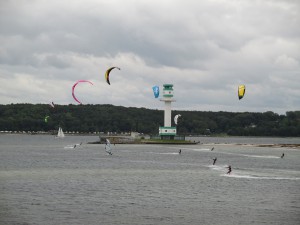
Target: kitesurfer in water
(282,155)
(215,159)
(179,151)
(229,169)
(212,148)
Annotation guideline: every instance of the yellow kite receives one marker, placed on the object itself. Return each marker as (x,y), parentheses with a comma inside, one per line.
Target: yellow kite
(108,72)
(241,91)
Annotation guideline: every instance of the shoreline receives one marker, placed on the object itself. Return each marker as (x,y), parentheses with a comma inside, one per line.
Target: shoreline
(146,141)
(98,134)
(294,146)
(291,146)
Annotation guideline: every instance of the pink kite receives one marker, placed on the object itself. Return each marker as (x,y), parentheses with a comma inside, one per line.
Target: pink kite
(73,88)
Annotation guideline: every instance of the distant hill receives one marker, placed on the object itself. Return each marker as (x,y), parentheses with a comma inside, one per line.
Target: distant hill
(109,118)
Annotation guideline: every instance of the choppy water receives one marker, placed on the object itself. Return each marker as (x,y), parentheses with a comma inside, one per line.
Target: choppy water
(45,181)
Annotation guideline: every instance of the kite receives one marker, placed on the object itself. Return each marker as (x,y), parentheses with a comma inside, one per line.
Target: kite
(241,91)
(46,119)
(155,91)
(176,118)
(73,89)
(108,72)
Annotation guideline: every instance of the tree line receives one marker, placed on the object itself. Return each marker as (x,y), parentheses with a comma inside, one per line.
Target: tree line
(109,118)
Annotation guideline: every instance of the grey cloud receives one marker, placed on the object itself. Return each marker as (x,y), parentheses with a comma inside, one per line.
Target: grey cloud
(206,48)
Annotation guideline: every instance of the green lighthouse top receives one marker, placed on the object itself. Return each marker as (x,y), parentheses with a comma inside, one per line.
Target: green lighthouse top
(168,91)
(168,86)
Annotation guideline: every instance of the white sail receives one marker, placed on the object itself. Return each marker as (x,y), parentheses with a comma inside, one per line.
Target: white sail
(60,133)
(176,118)
(107,147)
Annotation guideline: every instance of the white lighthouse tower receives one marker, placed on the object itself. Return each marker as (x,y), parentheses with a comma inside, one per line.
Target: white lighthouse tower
(167,131)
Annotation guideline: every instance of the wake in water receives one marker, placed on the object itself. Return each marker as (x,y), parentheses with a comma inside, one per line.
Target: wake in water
(73,146)
(195,149)
(168,153)
(234,175)
(262,156)
(230,153)
(244,174)
(164,153)
(222,168)
(201,149)
(70,147)
(249,174)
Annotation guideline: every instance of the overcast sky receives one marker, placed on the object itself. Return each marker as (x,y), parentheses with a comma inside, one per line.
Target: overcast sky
(204,48)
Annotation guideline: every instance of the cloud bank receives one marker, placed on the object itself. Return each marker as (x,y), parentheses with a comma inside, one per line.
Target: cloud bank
(204,48)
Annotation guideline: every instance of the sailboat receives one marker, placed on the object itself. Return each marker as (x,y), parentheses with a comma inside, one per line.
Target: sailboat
(60,133)
(107,147)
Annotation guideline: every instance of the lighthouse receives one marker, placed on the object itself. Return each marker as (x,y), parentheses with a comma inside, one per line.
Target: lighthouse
(167,131)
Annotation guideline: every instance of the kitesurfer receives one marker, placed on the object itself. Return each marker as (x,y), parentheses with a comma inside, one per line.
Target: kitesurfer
(229,169)
(215,159)
(179,151)
(282,155)
(74,146)
(212,148)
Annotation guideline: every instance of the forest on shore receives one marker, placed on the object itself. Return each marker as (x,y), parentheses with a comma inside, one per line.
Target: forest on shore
(119,119)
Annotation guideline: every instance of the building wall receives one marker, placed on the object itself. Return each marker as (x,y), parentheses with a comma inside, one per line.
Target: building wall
(167,114)
(167,131)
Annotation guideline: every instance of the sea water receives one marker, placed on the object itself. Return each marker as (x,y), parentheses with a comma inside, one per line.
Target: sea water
(44,180)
